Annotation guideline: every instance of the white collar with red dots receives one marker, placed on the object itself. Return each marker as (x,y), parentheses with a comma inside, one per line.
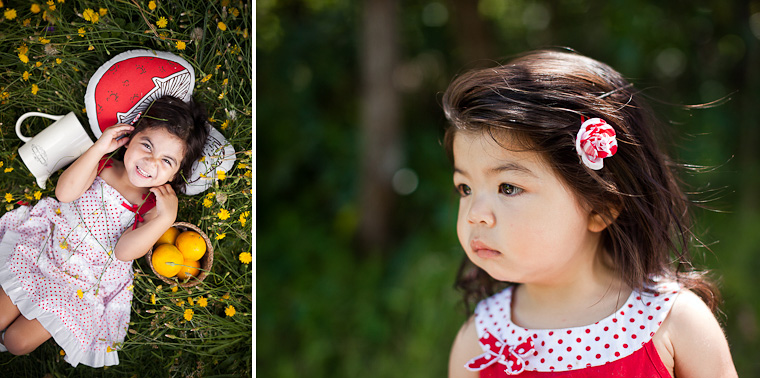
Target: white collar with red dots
(612,338)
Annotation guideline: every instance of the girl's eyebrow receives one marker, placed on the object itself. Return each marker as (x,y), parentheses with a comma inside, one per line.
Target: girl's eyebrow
(512,167)
(506,167)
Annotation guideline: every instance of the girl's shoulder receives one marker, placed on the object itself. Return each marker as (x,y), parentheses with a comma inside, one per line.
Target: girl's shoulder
(691,342)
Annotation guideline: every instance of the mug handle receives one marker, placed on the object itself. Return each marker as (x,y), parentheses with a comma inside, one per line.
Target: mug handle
(30,114)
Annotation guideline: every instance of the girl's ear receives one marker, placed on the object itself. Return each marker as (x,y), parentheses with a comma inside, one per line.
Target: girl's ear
(598,222)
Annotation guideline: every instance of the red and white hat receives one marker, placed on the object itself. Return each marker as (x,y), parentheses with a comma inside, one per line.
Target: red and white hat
(122,88)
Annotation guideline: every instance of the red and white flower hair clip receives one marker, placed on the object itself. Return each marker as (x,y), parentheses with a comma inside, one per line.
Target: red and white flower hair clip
(595,141)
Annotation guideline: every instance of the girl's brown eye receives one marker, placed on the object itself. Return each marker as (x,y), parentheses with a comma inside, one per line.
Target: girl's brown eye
(463,190)
(509,190)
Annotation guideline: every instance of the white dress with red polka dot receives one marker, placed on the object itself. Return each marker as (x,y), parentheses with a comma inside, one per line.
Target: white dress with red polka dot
(57,265)
(619,345)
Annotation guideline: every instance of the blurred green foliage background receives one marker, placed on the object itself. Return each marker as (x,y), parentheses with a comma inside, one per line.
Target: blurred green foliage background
(334,303)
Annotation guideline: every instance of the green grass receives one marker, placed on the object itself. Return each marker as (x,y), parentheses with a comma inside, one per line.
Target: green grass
(64,50)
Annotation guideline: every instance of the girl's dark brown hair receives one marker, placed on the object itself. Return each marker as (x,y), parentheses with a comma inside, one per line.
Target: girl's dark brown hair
(539,99)
(185,120)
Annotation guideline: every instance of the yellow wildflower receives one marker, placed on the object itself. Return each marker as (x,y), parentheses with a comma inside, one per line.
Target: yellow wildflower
(37,195)
(203,302)
(180,303)
(243,219)
(61,1)
(81,32)
(27,22)
(28,196)
(223,214)
(225,3)
(208,195)
(91,48)
(235,12)
(58,211)
(218,66)
(153,298)
(51,5)
(152,5)
(174,289)
(90,15)
(220,236)
(44,40)
(23,58)
(10,14)
(103,11)
(221,96)
(161,23)
(25,75)
(61,352)
(23,49)
(35,8)
(38,64)
(190,301)
(64,244)
(188,314)
(229,311)
(206,78)
(220,174)
(180,45)
(202,159)
(225,81)
(8,197)
(221,26)
(226,123)
(10,169)
(80,294)
(58,60)
(35,89)
(108,349)
(225,296)
(207,202)
(245,258)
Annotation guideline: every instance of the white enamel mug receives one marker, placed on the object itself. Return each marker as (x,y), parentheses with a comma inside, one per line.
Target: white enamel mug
(55,147)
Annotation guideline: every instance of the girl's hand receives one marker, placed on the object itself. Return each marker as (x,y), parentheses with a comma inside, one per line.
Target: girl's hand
(109,141)
(166,203)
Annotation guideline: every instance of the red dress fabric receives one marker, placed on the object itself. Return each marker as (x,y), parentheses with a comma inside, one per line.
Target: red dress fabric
(618,346)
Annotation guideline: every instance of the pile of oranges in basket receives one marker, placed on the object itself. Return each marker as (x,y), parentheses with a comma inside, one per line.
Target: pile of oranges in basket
(178,253)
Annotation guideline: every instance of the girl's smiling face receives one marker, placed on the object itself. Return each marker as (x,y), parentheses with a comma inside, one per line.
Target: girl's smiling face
(153,157)
(517,221)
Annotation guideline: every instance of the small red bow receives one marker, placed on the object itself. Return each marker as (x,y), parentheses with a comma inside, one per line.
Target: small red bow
(499,351)
(138,216)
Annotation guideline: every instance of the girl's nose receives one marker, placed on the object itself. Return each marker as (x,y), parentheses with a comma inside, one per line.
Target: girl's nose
(481,212)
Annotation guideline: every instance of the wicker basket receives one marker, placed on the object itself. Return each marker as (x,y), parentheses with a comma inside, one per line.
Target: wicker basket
(206,261)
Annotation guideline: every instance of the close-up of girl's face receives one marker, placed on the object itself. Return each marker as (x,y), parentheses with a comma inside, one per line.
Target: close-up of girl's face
(153,157)
(517,220)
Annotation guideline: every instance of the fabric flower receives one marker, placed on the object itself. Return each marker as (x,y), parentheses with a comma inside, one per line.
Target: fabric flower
(595,141)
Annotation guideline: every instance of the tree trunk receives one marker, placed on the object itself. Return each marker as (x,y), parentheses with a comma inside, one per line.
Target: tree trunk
(380,123)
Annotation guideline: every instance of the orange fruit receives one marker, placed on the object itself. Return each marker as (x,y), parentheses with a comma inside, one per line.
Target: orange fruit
(190,268)
(168,237)
(166,260)
(191,244)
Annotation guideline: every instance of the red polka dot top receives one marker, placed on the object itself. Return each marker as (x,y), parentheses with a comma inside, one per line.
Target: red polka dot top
(619,345)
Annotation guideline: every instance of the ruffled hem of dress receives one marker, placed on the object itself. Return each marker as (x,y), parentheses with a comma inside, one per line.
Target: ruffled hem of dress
(62,336)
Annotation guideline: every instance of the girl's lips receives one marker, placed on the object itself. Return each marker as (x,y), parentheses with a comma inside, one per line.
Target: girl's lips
(142,173)
(483,251)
